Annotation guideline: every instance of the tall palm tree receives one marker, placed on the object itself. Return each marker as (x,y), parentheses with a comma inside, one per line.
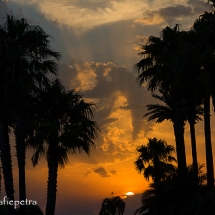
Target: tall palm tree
(155,160)
(64,127)
(192,113)
(26,59)
(204,28)
(156,70)
(6,161)
(112,206)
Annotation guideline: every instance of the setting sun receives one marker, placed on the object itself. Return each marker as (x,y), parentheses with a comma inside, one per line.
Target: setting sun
(129,194)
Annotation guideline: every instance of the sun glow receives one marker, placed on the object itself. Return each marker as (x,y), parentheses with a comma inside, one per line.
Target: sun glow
(129,194)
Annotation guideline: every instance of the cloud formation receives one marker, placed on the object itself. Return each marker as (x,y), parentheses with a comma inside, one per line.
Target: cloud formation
(114,89)
(102,172)
(174,12)
(167,14)
(121,106)
(87,14)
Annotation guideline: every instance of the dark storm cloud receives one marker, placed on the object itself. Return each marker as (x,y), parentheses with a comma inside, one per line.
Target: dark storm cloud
(101,171)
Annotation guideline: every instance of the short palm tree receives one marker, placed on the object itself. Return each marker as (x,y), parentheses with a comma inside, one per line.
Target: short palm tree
(155,160)
(112,206)
(64,127)
(171,199)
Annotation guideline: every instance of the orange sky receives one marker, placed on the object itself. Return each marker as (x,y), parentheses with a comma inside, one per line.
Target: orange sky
(99,40)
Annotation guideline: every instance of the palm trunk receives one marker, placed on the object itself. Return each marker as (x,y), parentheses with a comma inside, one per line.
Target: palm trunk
(6,163)
(194,152)
(52,179)
(20,152)
(157,178)
(179,138)
(208,145)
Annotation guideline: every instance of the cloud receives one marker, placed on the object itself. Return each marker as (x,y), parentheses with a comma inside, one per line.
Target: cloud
(87,14)
(170,13)
(167,14)
(118,101)
(102,172)
(121,106)
(114,172)
(199,6)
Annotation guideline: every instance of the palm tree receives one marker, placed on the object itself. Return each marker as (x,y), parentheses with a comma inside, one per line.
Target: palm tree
(112,206)
(64,127)
(26,59)
(5,150)
(170,199)
(157,156)
(204,28)
(192,113)
(156,70)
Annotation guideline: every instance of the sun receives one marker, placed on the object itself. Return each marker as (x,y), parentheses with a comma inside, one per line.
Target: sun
(129,194)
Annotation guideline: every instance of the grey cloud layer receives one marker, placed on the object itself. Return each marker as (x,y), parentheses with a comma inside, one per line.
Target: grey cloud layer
(175,12)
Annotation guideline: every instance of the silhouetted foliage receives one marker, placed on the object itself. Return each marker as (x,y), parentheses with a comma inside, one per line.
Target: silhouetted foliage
(155,160)
(112,206)
(171,199)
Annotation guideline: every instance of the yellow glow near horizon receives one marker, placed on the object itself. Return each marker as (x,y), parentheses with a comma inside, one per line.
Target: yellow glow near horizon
(129,194)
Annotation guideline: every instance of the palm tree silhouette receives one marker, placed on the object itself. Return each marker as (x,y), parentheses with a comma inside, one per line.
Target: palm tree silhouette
(155,160)
(26,59)
(192,113)
(112,206)
(64,127)
(170,199)
(156,70)
(203,29)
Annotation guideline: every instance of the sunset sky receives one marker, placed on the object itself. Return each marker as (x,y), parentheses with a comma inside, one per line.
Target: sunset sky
(98,40)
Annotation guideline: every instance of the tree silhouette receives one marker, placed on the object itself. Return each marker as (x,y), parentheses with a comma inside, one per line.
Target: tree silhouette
(112,206)
(26,60)
(171,199)
(155,160)
(204,30)
(157,71)
(64,126)
(192,113)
